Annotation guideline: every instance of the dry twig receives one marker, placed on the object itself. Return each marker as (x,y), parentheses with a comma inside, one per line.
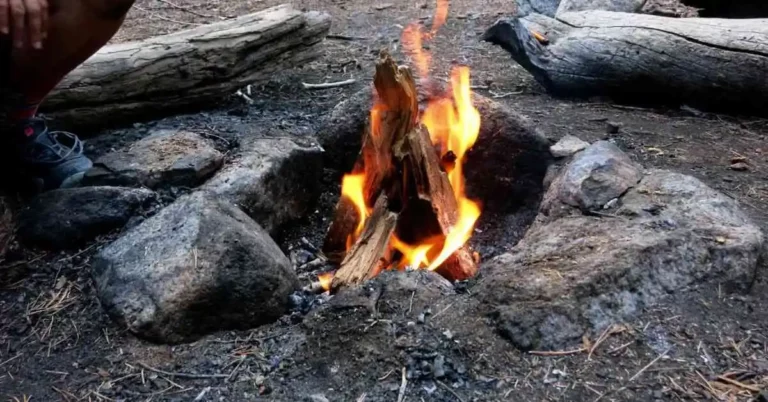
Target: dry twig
(447,388)
(557,352)
(183,375)
(327,85)
(186,9)
(403,385)
(642,370)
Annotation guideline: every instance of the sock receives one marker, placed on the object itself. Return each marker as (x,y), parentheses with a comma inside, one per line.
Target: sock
(16,110)
(22,111)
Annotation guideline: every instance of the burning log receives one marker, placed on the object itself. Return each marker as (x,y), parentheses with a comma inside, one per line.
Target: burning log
(706,63)
(399,171)
(162,75)
(370,253)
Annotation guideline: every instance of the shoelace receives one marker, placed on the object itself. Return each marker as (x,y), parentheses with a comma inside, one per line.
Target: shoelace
(53,151)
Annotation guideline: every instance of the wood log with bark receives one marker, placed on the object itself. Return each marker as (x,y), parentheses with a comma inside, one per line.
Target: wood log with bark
(624,6)
(126,82)
(705,63)
(411,195)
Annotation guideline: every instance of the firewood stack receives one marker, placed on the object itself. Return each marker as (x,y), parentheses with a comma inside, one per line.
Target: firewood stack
(405,183)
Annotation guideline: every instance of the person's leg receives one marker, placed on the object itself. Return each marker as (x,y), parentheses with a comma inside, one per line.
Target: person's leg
(77,29)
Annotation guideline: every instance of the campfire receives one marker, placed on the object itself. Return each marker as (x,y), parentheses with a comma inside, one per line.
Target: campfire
(403,206)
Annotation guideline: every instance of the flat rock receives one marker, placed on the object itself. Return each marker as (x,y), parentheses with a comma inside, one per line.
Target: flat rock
(200,265)
(274,180)
(163,159)
(69,217)
(623,6)
(567,146)
(594,177)
(578,274)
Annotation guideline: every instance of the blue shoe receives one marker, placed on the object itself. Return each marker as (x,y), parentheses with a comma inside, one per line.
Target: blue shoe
(49,159)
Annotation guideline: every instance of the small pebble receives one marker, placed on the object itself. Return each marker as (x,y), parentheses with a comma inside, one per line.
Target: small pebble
(740,167)
(439,367)
(422,318)
(448,334)
(612,127)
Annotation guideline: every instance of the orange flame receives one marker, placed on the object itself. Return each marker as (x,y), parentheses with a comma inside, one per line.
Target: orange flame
(325,280)
(441,14)
(415,256)
(454,125)
(414,36)
(469,211)
(352,187)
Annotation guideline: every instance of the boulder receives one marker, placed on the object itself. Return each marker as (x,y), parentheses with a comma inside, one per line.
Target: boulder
(163,159)
(274,180)
(594,177)
(200,265)
(567,146)
(578,274)
(69,217)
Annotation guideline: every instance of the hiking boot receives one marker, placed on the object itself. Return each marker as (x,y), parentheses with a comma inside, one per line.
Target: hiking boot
(48,159)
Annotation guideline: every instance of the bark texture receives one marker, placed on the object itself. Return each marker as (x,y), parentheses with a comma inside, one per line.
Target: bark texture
(624,6)
(707,63)
(162,75)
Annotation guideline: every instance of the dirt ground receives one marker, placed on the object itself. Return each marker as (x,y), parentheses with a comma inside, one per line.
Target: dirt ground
(57,344)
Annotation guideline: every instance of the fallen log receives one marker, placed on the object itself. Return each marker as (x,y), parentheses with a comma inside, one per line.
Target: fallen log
(126,82)
(706,63)
(624,6)
(551,8)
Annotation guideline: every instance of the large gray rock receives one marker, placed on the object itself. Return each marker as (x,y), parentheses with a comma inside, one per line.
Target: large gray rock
(594,177)
(198,266)
(274,180)
(165,158)
(576,273)
(69,217)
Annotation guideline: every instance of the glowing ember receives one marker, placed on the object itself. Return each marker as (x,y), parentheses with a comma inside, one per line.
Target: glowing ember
(352,189)
(325,280)
(415,256)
